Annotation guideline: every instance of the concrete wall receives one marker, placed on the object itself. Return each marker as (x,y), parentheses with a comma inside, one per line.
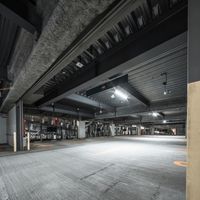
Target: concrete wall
(3,130)
(11,125)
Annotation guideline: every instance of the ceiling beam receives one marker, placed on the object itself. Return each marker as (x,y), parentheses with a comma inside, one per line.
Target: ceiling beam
(121,55)
(85,100)
(176,105)
(123,83)
(107,85)
(67,110)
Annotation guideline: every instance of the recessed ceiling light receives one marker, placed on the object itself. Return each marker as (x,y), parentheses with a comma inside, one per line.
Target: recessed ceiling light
(79,64)
(112,96)
(155,114)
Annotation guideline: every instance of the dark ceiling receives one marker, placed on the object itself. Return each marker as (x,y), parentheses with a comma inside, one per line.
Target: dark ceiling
(126,38)
(14,15)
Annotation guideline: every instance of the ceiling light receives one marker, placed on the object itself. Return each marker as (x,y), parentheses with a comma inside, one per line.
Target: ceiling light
(121,94)
(155,114)
(112,96)
(79,64)
(142,127)
(164,121)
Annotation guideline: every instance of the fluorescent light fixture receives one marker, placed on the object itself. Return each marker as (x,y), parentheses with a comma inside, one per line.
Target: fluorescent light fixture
(164,121)
(155,114)
(79,64)
(121,94)
(112,96)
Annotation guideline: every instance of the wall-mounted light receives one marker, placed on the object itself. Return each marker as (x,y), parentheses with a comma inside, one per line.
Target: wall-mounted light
(164,121)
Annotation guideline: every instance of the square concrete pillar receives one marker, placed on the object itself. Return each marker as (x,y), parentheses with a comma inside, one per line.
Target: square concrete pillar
(81,130)
(139,130)
(152,130)
(193,107)
(112,130)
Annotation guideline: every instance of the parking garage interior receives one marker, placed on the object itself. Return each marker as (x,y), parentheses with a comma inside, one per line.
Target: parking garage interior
(99,99)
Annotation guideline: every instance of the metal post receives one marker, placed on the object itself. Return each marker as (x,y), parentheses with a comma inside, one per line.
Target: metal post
(14,142)
(28,141)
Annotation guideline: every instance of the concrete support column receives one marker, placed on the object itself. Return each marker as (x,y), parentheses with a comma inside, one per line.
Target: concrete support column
(139,130)
(20,125)
(152,130)
(112,130)
(81,130)
(193,107)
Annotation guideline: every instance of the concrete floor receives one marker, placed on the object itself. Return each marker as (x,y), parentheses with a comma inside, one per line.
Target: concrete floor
(128,168)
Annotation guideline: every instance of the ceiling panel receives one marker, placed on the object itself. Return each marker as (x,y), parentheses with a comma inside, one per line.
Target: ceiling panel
(149,81)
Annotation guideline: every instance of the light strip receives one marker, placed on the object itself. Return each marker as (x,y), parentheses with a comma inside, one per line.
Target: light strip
(155,114)
(121,94)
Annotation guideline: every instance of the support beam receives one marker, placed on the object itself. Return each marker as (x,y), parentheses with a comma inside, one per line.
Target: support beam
(176,105)
(67,111)
(122,54)
(84,100)
(108,85)
(123,83)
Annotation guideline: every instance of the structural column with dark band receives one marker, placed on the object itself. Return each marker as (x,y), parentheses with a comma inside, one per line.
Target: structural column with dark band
(193,128)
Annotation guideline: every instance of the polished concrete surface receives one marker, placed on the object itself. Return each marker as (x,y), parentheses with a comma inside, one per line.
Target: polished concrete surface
(128,168)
